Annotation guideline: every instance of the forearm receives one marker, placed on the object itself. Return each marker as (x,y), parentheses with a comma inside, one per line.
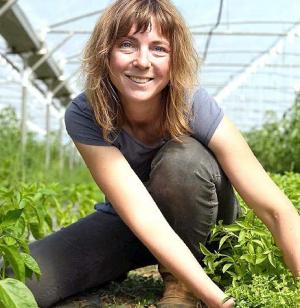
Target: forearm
(285,228)
(154,231)
(280,216)
(269,203)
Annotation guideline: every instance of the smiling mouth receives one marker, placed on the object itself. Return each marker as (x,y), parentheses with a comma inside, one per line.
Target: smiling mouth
(139,80)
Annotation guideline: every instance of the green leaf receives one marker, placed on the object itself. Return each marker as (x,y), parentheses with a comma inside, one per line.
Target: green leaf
(20,227)
(232,228)
(36,230)
(260,259)
(259,243)
(260,232)
(251,249)
(9,240)
(242,237)
(204,250)
(14,294)
(223,239)
(48,220)
(31,263)
(12,255)
(271,259)
(18,197)
(11,218)
(226,267)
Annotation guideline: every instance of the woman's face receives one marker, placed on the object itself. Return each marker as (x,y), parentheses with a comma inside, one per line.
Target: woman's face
(140,65)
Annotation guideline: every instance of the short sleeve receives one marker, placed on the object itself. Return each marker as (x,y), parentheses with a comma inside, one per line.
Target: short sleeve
(81,124)
(206,116)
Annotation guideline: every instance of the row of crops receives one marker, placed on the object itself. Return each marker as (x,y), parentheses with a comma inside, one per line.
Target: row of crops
(33,203)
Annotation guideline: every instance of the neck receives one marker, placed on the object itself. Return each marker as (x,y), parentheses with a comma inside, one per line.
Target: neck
(142,114)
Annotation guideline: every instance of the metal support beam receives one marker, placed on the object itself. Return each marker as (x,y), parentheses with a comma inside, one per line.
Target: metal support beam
(23,126)
(49,54)
(7,6)
(244,34)
(48,140)
(61,146)
(259,62)
(83,32)
(73,75)
(246,22)
(67,21)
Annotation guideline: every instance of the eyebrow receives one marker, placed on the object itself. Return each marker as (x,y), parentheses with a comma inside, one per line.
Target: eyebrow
(159,42)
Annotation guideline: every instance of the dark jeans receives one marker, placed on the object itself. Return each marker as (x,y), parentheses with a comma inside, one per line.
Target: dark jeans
(191,191)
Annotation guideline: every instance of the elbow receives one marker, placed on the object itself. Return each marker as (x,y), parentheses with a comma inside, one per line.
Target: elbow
(280,215)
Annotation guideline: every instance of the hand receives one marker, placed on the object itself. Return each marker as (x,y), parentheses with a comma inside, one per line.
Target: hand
(229,303)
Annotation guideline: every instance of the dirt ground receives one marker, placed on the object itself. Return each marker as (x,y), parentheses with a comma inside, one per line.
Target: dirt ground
(142,288)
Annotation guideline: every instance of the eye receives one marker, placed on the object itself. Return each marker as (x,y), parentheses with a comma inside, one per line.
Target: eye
(160,50)
(126,45)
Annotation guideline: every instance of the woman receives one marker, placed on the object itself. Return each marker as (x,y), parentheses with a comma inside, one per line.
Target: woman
(157,148)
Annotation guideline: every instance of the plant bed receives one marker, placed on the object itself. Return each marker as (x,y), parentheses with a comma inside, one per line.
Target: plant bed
(142,288)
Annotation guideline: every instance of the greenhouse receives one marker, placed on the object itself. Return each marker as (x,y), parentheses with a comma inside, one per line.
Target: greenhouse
(247,73)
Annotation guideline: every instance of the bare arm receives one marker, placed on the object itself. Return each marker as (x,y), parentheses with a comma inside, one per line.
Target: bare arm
(259,191)
(137,209)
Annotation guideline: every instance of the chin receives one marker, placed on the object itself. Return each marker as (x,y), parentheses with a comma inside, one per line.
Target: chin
(140,97)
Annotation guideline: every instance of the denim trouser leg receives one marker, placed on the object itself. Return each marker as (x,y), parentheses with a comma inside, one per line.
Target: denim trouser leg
(191,191)
(189,188)
(96,249)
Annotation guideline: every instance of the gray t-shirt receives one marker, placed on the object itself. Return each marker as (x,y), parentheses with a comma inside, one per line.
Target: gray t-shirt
(82,127)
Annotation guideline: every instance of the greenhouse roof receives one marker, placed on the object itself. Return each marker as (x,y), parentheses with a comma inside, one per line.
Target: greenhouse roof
(250,52)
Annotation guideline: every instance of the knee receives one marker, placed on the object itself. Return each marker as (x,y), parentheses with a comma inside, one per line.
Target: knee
(177,162)
(184,174)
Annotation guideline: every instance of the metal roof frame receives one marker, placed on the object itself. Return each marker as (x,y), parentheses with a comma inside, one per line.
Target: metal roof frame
(22,39)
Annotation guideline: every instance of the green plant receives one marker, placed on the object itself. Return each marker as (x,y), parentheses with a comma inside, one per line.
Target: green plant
(247,263)
(29,165)
(266,291)
(31,211)
(277,143)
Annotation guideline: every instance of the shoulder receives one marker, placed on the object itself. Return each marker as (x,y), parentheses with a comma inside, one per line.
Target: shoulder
(201,97)
(206,115)
(80,122)
(79,104)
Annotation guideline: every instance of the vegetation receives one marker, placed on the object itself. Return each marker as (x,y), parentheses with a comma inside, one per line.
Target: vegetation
(29,166)
(277,143)
(35,202)
(246,262)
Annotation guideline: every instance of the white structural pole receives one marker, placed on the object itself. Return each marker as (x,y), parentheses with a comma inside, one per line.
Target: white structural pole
(23,126)
(61,146)
(48,139)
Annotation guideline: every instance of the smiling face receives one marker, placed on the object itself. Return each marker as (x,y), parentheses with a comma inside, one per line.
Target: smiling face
(140,65)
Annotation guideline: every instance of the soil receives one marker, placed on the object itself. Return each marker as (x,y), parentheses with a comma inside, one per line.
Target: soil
(141,288)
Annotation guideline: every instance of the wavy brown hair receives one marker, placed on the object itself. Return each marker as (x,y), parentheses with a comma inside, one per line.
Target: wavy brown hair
(117,21)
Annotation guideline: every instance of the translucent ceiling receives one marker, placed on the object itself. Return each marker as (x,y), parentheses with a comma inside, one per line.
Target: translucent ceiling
(251,59)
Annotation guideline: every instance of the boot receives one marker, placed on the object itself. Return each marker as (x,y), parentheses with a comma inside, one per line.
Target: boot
(176,294)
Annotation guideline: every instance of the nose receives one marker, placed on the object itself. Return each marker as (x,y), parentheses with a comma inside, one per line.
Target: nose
(142,60)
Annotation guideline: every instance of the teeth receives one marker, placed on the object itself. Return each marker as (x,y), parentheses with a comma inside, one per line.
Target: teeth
(139,80)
